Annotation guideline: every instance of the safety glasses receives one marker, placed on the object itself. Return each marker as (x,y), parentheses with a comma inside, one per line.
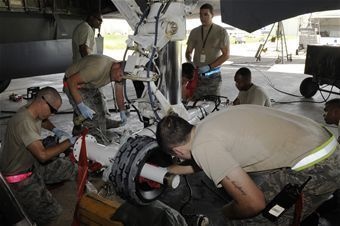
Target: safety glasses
(52,109)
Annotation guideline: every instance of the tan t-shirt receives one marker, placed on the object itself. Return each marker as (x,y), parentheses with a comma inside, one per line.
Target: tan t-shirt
(217,38)
(254,95)
(21,131)
(94,70)
(255,138)
(83,34)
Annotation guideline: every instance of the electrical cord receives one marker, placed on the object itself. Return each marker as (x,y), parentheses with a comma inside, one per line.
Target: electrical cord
(270,83)
(215,98)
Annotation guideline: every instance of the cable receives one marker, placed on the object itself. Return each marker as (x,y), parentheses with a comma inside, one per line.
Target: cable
(270,83)
(309,101)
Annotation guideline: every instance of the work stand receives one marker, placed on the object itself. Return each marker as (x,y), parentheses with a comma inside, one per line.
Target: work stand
(281,44)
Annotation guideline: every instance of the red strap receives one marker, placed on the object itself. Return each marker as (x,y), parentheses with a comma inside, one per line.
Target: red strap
(82,176)
(17,178)
(298,211)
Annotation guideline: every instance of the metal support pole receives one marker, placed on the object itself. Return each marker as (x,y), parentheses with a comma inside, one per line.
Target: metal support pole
(171,61)
(258,53)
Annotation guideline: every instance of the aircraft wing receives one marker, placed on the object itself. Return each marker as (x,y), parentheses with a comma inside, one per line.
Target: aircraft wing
(251,15)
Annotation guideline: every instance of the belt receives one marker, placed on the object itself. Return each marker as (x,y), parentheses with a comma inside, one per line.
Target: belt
(17,178)
(318,154)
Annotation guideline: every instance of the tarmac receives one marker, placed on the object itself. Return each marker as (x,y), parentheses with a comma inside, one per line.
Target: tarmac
(280,81)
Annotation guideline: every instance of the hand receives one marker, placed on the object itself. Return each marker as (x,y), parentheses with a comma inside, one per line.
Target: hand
(85,110)
(73,140)
(60,133)
(123,117)
(204,69)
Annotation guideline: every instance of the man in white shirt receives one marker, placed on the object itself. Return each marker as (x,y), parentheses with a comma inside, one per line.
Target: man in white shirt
(83,40)
(249,92)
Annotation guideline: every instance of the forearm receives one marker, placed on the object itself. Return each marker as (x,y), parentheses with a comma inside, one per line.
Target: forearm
(220,60)
(181,170)
(74,92)
(84,50)
(57,149)
(235,211)
(119,92)
(46,154)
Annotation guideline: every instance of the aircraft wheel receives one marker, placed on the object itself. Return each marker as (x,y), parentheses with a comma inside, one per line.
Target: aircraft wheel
(308,87)
(128,165)
(4,84)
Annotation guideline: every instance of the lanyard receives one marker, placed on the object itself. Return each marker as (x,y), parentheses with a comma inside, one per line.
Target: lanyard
(206,37)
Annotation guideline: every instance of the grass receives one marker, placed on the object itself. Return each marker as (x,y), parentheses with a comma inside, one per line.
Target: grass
(116,41)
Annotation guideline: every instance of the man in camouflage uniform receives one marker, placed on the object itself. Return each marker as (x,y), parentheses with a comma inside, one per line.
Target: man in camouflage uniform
(210,44)
(82,82)
(255,156)
(27,165)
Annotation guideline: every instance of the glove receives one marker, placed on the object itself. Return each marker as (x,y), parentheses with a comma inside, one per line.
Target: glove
(60,133)
(85,110)
(123,117)
(73,139)
(204,69)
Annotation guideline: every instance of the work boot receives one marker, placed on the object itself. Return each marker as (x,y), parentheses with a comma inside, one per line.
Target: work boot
(110,123)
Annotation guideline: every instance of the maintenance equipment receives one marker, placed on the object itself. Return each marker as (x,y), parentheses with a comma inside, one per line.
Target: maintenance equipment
(322,63)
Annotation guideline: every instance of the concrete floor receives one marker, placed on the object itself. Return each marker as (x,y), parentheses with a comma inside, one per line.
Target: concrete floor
(277,80)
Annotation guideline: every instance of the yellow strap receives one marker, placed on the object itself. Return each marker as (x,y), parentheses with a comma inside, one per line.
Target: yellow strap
(318,154)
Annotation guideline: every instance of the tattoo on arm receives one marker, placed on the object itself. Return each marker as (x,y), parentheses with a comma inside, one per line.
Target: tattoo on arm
(237,186)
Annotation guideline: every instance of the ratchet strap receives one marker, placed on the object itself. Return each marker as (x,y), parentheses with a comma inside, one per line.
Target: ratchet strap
(298,211)
(318,154)
(82,176)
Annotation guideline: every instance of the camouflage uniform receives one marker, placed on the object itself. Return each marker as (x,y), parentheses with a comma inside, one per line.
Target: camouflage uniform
(204,198)
(325,180)
(208,86)
(97,126)
(33,195)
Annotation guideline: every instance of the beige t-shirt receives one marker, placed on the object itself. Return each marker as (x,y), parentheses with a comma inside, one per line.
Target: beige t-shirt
(94,70)
(255,138)
(21,131)
(254,95)
(217,38)
(83,34)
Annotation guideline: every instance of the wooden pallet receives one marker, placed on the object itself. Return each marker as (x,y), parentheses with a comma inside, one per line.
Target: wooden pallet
(97,211)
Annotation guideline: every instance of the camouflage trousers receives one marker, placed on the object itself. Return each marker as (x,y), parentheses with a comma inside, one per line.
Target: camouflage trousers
(93,98)
(325,180)
(33,195)
(208,86)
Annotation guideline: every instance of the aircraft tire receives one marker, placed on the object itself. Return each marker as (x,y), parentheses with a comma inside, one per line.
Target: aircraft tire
(127,166)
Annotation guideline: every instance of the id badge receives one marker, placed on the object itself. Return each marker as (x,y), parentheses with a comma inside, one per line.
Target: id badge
(202,58)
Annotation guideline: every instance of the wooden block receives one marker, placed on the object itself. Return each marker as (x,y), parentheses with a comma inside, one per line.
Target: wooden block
(95,210)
